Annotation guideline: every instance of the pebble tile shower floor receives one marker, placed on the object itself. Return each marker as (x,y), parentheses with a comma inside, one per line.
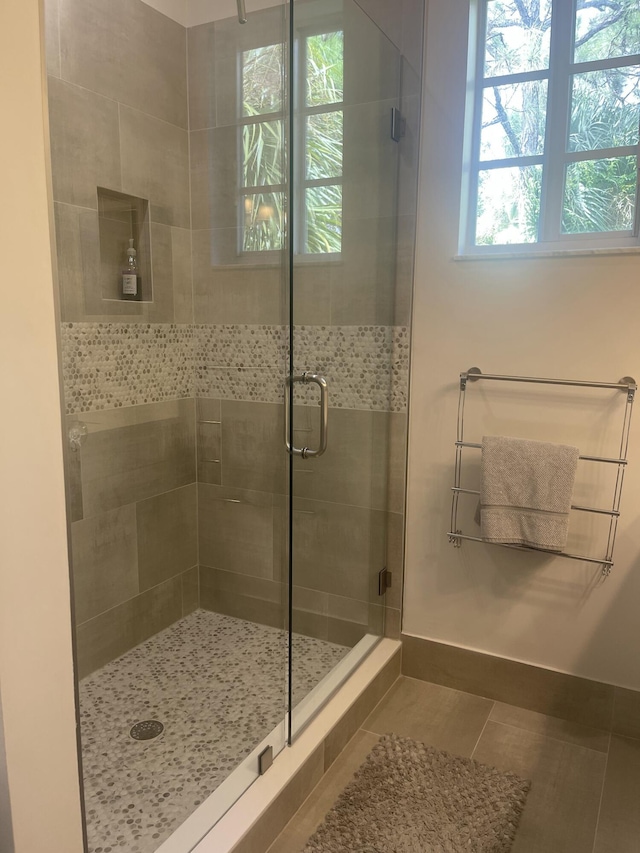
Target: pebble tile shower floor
(217,684)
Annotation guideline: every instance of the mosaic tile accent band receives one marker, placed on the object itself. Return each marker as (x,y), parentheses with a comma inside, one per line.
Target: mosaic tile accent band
(110,365)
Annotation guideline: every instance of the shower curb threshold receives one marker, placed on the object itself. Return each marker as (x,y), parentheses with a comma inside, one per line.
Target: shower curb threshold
(257,812)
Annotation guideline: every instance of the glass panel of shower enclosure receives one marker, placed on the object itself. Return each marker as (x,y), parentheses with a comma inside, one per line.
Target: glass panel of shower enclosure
(346,80)
(177,477)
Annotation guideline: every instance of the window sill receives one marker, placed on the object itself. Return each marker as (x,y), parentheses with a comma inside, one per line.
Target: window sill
(553,253)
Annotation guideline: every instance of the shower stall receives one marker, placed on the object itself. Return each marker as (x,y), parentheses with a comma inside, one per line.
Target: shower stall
(236,427)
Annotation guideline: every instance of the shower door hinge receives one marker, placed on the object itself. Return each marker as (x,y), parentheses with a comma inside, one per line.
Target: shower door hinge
(265,760)
(398,125)
(384,581)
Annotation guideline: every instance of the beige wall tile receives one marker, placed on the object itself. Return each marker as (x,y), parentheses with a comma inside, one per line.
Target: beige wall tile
(127,51)
(626,712)
(396,461)
(349,609)
(354,467)
(201,72)
(155,165)
(171,268)
(428,713)
(167,535)
(413,23)
(392,623)
(73,484)
(104,561)
(371,62)
(386,17)
(395,559)
(209,436)
(161,310)
(52,37)
(253,454)
(370,161)
(236,530)
(404,269)
(362,287)
(106,419)
(409,145)
(376,622)
(190,591)
(309,625)
(214,177)
(111,634)
(345,632)
(243,607)
(218,581)
(619,819)
(240,295)
(545,691)
(311,600)
(337,548)
(566,783)
(85,150)
(78,257)
(182,275)
(124,464)
(312,293)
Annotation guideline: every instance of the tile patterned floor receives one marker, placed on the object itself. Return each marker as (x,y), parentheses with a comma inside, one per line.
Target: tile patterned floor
(218,685)
(585,783)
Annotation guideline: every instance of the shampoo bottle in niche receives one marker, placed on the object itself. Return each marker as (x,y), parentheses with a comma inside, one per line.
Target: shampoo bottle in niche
(130,277)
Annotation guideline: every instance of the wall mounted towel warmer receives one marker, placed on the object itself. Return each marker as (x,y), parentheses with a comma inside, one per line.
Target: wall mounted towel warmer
(627,384)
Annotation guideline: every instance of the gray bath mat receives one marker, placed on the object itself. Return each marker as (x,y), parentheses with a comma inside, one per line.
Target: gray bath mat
(410,798)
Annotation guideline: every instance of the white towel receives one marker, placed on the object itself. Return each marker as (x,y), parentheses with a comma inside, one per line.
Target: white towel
(525,491)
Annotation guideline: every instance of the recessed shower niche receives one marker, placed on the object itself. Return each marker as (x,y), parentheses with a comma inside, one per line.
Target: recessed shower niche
(122,218)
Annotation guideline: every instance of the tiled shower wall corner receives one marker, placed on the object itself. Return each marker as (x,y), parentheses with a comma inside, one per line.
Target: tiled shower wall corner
(210,345)
(119,121)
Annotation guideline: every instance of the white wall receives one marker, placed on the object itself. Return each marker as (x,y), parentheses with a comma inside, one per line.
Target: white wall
(572,317)
(36,675)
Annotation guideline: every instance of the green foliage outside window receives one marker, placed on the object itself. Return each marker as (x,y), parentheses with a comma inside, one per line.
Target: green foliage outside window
(263,146)
(599,193)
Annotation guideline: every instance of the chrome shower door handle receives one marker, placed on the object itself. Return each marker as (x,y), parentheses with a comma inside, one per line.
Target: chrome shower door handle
(306,379)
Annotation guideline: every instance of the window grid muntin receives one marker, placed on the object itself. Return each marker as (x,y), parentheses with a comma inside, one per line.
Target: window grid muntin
(556,157)
(302,112)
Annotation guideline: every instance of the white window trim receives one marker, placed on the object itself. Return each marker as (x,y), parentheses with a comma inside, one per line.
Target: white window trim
(552,241)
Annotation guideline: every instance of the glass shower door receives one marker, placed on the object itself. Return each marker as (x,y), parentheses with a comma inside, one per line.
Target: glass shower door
(345,84)
(177,479)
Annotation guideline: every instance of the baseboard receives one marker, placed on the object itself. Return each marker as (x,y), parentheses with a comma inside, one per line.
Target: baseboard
(568,697)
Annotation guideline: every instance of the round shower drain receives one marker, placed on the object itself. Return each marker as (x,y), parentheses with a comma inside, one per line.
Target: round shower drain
(146,730)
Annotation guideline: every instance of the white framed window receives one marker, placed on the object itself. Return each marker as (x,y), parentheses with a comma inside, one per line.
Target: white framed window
(551,141)
(318,134)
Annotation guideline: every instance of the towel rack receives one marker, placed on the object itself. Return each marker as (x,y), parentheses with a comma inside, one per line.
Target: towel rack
(626,384)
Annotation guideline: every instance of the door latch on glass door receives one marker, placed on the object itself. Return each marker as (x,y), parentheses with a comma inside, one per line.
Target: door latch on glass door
(306,379)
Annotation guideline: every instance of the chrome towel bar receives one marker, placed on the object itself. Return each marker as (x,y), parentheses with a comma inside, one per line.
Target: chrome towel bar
(626,384)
